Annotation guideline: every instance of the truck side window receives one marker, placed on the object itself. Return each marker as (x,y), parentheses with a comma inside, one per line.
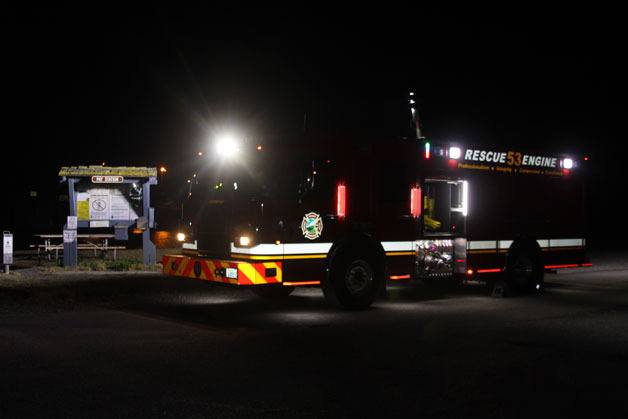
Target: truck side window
(317,181)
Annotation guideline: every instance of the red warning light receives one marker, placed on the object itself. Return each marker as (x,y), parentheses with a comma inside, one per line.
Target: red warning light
(341,202)
(585,158)
(415,202)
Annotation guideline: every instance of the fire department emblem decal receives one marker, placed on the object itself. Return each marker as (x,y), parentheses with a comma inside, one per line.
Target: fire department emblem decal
(312,225)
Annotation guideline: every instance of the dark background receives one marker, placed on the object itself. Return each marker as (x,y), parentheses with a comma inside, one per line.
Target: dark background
(147,87)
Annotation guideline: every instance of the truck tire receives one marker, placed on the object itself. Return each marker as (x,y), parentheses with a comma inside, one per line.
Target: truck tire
(272,292)
(354,280)
(524,269)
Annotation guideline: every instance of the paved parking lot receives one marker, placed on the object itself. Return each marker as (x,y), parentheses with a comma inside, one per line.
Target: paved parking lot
(129,345)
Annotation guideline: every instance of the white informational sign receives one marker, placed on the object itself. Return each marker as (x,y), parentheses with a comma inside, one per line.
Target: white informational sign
(107,204)
(99,205)
(120,207)
(72,222)
(7,248)
(69,236)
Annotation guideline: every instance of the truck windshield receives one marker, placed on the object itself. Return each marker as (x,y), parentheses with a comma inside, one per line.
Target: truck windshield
(263,179)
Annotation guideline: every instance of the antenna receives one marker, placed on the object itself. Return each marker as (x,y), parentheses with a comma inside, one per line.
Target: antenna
(415,115)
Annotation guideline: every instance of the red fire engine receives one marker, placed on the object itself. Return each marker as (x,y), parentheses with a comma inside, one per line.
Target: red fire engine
(349,216)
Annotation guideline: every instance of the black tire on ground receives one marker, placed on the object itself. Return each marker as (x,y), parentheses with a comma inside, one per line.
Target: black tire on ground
(272,292)
(525,270)
(354,280)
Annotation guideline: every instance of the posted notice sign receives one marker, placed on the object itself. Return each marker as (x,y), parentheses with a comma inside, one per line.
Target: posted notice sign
(69,236)
(72,222)
(7,248)
(106,204)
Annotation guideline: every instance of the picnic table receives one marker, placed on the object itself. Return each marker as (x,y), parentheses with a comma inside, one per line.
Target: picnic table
(95,242)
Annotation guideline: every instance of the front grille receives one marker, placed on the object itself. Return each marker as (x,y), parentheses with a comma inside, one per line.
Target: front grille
(217,245)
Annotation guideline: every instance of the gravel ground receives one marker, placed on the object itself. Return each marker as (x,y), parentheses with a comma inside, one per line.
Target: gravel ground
(137,344)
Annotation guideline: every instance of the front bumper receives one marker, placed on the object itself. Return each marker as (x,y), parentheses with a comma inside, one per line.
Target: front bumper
(231,272)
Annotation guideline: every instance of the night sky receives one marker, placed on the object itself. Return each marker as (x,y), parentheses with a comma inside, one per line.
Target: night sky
(146,86)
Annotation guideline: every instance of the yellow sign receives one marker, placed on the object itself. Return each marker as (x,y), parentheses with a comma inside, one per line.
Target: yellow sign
(82,210)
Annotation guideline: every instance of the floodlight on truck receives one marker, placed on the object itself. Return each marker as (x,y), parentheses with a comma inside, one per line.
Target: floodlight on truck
(567,163)
(465,198)
(455,153)
(227,146)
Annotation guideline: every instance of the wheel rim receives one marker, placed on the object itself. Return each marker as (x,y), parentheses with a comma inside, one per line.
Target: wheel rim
(359,277)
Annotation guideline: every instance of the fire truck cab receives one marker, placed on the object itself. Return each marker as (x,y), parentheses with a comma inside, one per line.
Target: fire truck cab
(349,217)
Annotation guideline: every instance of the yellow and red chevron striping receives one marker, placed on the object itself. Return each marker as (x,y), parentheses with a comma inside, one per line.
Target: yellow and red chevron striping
(215,270)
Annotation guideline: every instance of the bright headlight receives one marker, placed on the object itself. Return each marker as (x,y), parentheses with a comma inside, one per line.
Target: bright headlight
(181,237)
(244,241)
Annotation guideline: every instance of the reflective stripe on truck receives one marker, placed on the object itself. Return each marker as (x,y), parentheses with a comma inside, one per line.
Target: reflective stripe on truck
(222,271)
